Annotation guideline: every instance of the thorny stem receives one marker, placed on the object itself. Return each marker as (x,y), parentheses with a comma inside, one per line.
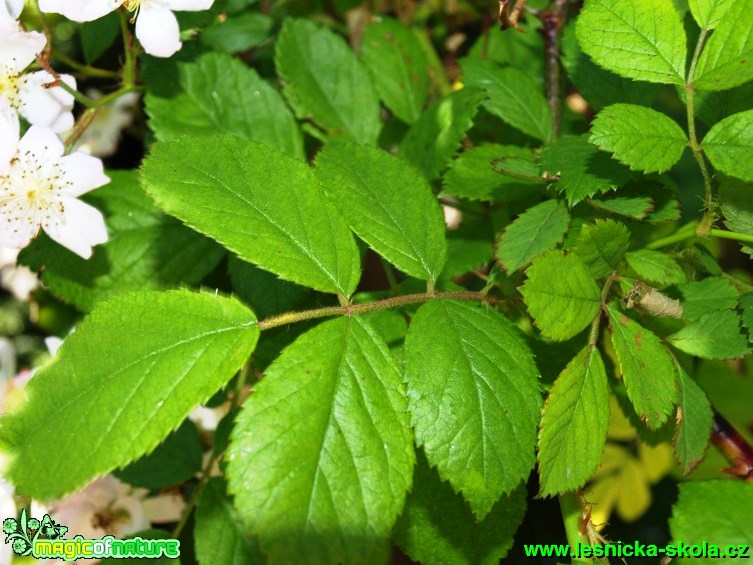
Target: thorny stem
(734,448)
(572,510)
(553,19)
(355,309)
(691,231)
(704,226)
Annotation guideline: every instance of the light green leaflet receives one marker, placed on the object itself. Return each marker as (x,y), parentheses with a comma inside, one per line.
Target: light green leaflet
(263,205)
(602,246)
(574,424)
(639,137)
(694,421)
(398,67)
(480,432)
(714,512)
(322,453)
(561,295)
(538,229)
(737,204)
(715,335)
(127,377)
(436,525)
(729,145)
(513,96)
(708,13)
(638,39)
(655,267)
(727,60)
(647,369)
(146,250)
(432,141)
(208,95)
(709,295)
(323,80)
(388,203)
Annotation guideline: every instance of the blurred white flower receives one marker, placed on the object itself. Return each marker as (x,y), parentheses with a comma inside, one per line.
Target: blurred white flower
(156,26)
(102,136)
(39,188)
(27,93)
(12,7)
(20,281)
(207,418)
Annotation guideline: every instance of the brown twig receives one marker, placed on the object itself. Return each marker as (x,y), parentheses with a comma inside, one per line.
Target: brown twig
(734,447)
(553,20)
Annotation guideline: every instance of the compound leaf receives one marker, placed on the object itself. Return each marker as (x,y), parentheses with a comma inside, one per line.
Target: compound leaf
(640,39)
(324,80)
(647,369)
(538,229)
(388,203)
(561,294)
(639,137)
(263,205)
(326,437)
(480,432)
(127,377)
(574,424)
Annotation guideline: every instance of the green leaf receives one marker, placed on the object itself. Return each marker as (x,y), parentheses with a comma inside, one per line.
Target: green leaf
(709,295)
(477,174)
(538,229)
(324,80)
(220,537)
(581,169)
(737,205)
(513,96)
(714,512)
(630,205)
(647,369)
(727,58)
(263,205)
(713,336)
(480,432)
(639,137)
(394,57)
(210,95)
(388,203)
(746,305)
(640,39)
(601,88)
(561,295)
(433,140)
(602,246)
(729,145)
(147,250)
(239,33)
(98,35)
(128,375)
(520,50)
(437,526)
(708,13)
(655,267)
(694,422)
(176,459)
(332,409)
(466,255)
(574,424)
(264,292)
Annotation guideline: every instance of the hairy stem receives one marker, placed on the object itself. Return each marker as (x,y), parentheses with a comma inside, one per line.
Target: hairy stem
(704,226)
(355,309)
(572,518)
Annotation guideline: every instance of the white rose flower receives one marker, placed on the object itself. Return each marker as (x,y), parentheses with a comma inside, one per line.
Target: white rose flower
(39,188)
(156,26)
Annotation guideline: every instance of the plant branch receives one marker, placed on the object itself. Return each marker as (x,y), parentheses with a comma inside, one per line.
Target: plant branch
(84,69)
(573,514)
(553,19)
(355,309)
(593,336)
(734,448)
(709,216)
(691,231)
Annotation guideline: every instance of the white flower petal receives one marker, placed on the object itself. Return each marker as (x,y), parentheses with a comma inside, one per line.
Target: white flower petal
(14,7)
(9,133)
(157,30)
(18,234)
(48,107)
(82,228)
(80,10)
(83,172)
(42,141)
(189,5)
(18,48)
